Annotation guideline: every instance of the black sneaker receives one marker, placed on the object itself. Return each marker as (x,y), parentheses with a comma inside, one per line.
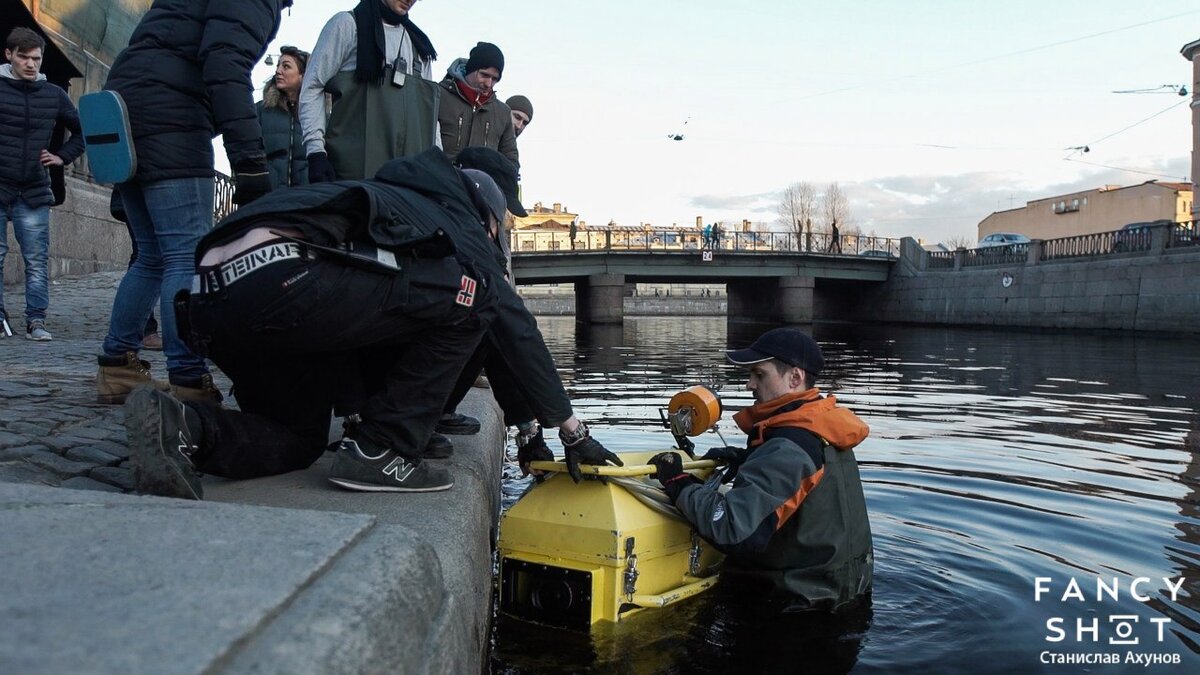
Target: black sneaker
(359,465)
(161,445)
(439,447)
(457,425)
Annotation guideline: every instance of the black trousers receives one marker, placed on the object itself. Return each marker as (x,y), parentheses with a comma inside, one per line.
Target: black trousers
(299,337)
(502,380)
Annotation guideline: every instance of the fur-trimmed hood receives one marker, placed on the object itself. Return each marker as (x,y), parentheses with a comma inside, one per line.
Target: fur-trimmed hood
(273,98)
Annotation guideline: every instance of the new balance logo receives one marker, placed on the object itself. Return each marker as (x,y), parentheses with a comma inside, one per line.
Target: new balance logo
(466,292)
(399,469)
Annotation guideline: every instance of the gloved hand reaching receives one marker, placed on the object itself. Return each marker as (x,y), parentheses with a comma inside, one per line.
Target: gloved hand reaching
(251,181)
(320,169)
(670,473)
(733,457)
(581,448)
(531,447)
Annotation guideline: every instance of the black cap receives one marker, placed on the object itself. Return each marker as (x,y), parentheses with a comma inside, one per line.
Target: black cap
(483,55)
(488,193)
(790,345)
(499,168)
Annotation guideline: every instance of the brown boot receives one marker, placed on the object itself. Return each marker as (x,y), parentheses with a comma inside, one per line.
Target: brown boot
(120,375)
(197,390)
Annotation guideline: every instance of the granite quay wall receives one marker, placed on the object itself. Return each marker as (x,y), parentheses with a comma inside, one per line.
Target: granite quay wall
(83,239)
(1154,291)
(288,575)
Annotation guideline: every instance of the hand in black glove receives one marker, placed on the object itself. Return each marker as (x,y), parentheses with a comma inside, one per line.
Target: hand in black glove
(730,454)
(581,448)
(670,473)
(251,181)
(532,449)
(320,170)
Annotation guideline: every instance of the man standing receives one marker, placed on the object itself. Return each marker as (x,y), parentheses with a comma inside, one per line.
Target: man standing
(377,65)
(470,114)
(522,112)
(794,523)
(30,108)
(185,77)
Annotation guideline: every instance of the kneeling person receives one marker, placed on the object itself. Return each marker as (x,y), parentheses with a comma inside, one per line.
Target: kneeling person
(795,520)
(367,296)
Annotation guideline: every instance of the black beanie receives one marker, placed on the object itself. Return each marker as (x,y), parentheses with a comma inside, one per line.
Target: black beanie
(484,55)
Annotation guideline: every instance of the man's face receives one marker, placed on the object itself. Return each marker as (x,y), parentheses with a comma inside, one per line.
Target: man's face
(520,119)
(25,64)
(484,79)
(400,6)
(768,384)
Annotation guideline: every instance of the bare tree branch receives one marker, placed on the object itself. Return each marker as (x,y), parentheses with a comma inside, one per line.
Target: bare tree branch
(798,206)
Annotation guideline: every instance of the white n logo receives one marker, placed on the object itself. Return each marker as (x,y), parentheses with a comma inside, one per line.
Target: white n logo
(399,469)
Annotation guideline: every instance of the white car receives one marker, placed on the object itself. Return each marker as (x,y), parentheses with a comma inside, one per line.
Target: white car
(1002,239)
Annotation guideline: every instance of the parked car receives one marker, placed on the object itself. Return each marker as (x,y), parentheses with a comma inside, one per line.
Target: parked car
(1136,236)
(1002,243)
(875,253)
(1008,239)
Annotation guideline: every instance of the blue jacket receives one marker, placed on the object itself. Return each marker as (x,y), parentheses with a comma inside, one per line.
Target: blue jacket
(29,111)
(185,78)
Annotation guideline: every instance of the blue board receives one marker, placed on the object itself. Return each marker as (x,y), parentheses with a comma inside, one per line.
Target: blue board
(106,133)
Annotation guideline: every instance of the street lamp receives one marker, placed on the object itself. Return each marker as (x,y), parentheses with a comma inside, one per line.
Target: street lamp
(1179,89)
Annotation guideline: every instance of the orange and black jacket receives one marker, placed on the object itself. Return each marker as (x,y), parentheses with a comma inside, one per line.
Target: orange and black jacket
(795,515)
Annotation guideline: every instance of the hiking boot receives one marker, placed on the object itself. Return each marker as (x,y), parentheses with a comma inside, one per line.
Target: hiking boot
(120,375)
(196,389)
(162,443)
(153,342)
(36,330)
(439,447)
(457,425)
(361,465)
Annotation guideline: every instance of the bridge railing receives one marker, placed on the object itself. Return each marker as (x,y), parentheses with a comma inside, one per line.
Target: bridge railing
(223,197)
(682,241)
(995,255)
(941,260)
(1184,234)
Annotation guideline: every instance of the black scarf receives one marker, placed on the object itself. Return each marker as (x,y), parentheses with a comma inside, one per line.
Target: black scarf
(369,17)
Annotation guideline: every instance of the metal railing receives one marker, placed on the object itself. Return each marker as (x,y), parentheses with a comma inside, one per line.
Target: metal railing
(223,197)
(996,255)
(679,241)
(941,260)
(1184,234)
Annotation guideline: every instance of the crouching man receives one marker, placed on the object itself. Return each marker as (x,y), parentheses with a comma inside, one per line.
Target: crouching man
(367,296)
(794,523)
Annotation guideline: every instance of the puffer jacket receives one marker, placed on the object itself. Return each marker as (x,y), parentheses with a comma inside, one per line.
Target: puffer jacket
(185,78)
(283,139)
(464,125)
(29,112)
(795,520)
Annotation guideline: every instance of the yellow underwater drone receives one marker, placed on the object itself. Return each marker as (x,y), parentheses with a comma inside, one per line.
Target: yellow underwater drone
(573,555)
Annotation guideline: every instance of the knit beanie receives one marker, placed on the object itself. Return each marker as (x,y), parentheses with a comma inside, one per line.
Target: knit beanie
(485,55)
(521,103)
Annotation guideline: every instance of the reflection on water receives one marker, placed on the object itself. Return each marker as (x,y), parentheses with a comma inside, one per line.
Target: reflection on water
(994,458)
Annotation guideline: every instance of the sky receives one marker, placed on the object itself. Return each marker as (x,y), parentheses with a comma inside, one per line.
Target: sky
(930,114)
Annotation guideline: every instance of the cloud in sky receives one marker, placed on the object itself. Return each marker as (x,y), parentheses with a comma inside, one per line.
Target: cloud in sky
(937,208)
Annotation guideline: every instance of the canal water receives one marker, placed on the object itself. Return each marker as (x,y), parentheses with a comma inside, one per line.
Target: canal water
(995,458)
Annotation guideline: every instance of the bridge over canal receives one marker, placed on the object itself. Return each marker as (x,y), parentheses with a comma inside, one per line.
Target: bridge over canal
(769,276)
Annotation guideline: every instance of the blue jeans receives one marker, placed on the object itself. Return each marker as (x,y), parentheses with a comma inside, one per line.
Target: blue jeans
(167,218)
(32,229)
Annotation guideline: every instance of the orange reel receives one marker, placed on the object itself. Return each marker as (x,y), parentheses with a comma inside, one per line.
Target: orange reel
(700,408)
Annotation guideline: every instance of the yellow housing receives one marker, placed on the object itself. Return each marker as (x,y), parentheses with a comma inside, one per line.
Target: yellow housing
(573,555)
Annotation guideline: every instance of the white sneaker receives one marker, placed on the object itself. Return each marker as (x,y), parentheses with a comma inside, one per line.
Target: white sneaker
(36,330)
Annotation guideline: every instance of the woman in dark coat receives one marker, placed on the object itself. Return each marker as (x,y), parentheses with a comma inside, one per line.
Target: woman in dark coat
(278,114)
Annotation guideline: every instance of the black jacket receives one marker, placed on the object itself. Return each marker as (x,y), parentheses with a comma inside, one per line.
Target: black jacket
(29,112)
(185,78)
(405,206)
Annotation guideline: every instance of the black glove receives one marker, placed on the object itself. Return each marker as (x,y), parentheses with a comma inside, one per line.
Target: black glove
(532,448)
(581,448)
(320,170)
(251,181)
(670,473)
(730,454)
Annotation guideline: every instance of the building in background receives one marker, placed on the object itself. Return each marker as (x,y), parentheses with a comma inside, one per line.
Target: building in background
(1190,51)
(1101,210)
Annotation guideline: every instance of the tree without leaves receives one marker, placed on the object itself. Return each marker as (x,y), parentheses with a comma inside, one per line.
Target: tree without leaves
(960,241)
(798,206)
(836,207)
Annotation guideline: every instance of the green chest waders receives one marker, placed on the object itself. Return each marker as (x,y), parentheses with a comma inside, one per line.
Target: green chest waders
(373,123)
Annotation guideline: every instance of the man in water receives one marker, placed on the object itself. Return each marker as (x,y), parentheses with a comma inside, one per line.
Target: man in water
(794,523)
